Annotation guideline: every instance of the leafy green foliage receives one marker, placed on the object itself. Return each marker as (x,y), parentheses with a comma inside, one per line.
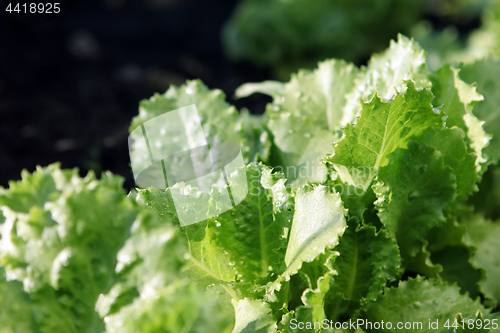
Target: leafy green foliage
(318,222)
(16,308)
(307,112)
(418,301)
(483,235)
(411,202)
(220,121)
(485,74)
(304,114)
(249,234)
(311,247)
(62,244)
(458,99)
(381,128)
(253,316)
(367,261)
(152,287)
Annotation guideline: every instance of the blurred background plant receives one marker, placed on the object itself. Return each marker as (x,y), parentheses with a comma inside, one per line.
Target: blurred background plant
(286,35)
(452,45)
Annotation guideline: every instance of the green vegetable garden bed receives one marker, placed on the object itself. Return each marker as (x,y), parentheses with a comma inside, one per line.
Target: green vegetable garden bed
(364,214)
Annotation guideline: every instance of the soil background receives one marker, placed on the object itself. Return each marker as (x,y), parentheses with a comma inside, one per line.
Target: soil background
(70,87)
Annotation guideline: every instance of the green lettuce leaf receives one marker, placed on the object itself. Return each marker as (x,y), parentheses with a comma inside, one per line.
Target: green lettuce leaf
(381,128)
(220,122)
(16,308)
(152,293)
(367,261)
(240,245)
(318,222)
(253,316)
(319,95)
(449,250)
(449,142)
(318,276)
(413,189)
(257,137)
(308,111)
(486,200)
(483,235)
(178,307)
(304,115)
(207,262)
(486,74)
(457,100)
(420,302)
(253,234)
(62,251)
(385,73)
(456,268)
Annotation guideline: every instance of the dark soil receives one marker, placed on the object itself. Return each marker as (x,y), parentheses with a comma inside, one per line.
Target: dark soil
(69,87)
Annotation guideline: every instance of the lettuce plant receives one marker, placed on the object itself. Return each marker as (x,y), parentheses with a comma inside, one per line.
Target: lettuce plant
(286,35)
(373,194)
